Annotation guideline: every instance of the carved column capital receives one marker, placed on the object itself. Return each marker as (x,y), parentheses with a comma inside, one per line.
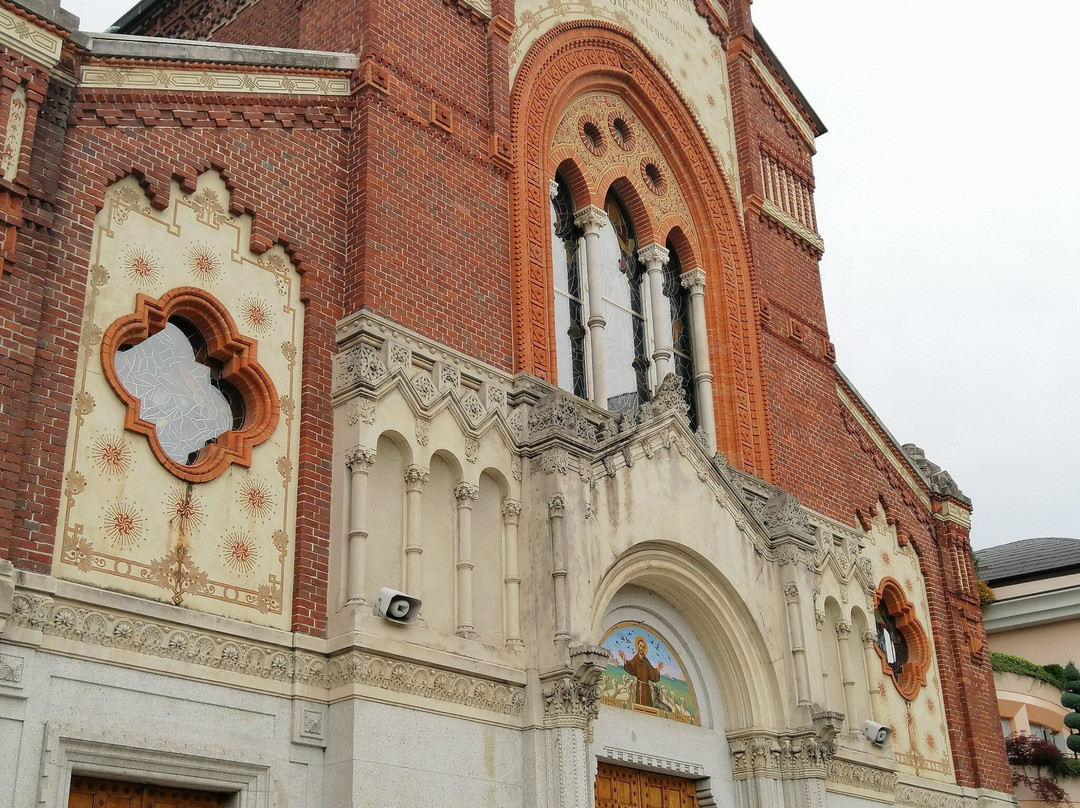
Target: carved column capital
(556,506)
(653,256)
(360,458)
(553,188)
(591,219)
(511,511)
(416,478)
(843,629)
(466,494)
(694,280)
(868,637)
(791,591)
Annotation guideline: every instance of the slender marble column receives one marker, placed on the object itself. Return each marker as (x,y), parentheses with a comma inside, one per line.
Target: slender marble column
(511,511)
(655,257)
(415,480)
(694,280)
(556,514)
(591,219)
(872,663)
(466,495)
(359,460)
(847,673)
(798,643)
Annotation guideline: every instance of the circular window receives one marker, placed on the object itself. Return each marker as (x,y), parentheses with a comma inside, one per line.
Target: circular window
(592,137)
(191,383)
(654,178)
(621,132)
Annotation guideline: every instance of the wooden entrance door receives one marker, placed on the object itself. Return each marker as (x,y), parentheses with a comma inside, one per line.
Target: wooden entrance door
(90,793)
(617,787)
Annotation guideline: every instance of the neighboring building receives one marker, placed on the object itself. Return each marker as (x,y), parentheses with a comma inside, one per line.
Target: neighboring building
(511,306)
(1036,617)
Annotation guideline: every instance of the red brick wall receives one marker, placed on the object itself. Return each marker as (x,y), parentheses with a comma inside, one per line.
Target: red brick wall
(274,23)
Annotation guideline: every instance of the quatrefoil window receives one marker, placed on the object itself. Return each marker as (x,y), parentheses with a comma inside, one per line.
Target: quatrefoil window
(191,382)
(900,640)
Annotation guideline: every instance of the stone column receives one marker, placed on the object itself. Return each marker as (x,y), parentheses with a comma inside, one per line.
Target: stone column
(591,219)
(847,673)
(465,494)
(415,480)
(872,663)
(654,257)
(798,643)
(359,460)
(694,280)
(556,514)
(511,511)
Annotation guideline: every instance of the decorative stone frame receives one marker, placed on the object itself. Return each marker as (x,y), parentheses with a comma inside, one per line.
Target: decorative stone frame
(70,752)
(890,594)
(240,368)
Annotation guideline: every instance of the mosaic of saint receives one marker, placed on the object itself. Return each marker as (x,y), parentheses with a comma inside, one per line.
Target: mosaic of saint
(646,675)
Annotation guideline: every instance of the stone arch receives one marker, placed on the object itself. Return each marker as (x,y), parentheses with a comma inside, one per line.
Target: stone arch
(589,56)
(735,648)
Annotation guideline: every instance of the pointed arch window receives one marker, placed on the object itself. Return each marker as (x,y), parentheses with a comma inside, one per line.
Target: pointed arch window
(566,256)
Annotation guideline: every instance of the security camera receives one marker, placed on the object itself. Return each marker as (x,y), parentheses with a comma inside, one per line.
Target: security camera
(397,607)
(877,733)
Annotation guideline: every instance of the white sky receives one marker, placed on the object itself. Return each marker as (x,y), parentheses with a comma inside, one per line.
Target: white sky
(948,195)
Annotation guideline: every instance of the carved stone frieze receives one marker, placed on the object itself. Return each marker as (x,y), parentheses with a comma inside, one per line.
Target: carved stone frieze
(360,409)
(424,388)
(360,364)
(785,519)
(557,415)
(555,460)
(670,397)
(262,661)
(846,774)
(786,756)
(909,796)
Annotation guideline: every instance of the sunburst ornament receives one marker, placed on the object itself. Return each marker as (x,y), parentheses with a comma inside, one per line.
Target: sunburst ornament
(123,525)
(239,552)
(184,510)
(112,455)
(141,266)
(256,498)
(203,263)
(257,315)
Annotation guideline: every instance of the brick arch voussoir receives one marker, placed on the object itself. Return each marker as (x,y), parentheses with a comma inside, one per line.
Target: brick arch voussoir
(565,162)
(633,199)
(586,55)
(672,231)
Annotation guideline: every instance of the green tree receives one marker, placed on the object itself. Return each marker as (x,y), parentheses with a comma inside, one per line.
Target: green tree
(1071,699)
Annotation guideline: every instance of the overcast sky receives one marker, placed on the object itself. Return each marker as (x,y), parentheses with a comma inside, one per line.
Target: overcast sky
(948,195)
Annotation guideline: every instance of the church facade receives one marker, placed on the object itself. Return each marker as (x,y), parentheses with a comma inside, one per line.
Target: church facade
(434,401)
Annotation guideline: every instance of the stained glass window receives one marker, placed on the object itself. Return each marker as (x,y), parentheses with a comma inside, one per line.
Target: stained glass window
(890,641)
(180,389)
(569,293)
(678,318)
(622,291)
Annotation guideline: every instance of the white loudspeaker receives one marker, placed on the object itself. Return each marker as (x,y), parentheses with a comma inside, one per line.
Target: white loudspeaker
(878,733)
(397,607)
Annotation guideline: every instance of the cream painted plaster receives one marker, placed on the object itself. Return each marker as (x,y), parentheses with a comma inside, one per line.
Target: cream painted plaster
(920,740)
(1009,591)
(792,224)
(29,39)
(214,81)
(223,546)
(1050,643)
(673,34)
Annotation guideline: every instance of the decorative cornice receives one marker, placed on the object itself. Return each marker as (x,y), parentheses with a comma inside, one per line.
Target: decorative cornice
(262,662)
(115,77)
(29,40)
(778,93)
(776,213)
(682,767)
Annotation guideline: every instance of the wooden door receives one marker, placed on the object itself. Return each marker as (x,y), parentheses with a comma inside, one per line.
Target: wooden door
(618,787)
(87,792)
